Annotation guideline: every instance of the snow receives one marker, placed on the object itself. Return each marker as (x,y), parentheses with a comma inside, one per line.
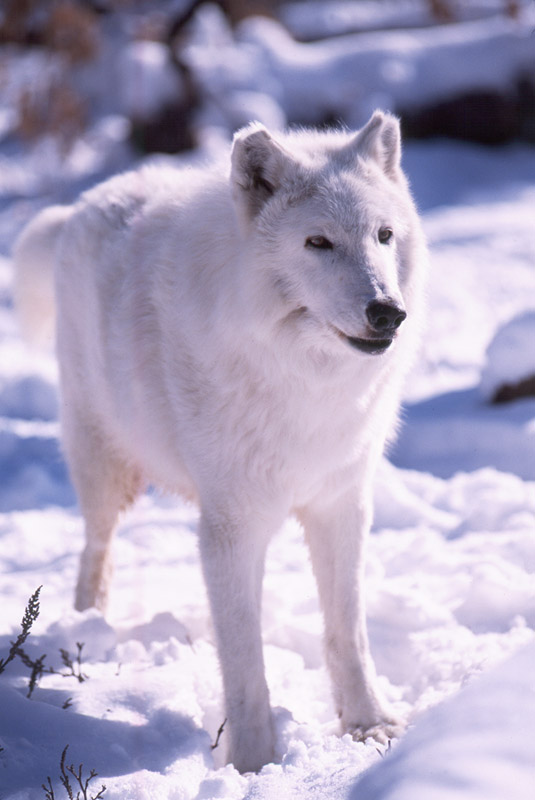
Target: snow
(318,20)
(451,592)
(508,359)
(148,79)
(467,747)
(481,285)
(347,77)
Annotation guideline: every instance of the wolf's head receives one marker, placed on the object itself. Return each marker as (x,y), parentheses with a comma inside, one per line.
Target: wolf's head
(329,218)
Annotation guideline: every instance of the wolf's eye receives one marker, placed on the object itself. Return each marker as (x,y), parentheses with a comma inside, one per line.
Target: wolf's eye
(385,235)
(319,243)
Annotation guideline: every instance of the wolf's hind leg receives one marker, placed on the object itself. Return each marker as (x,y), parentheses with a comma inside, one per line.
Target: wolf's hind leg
(105,484)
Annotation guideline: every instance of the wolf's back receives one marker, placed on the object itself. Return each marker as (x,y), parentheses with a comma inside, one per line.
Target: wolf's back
(34,257)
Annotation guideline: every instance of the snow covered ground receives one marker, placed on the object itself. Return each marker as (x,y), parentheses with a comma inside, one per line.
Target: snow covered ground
(451,564)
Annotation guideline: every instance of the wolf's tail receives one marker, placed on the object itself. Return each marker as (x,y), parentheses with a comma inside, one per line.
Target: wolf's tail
(34,257)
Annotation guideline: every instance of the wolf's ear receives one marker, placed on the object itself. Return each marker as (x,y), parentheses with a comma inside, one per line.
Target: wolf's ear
(258,166)
(380,140)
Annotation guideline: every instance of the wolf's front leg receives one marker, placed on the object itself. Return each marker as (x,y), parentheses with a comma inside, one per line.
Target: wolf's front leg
(336,535)
(233,565)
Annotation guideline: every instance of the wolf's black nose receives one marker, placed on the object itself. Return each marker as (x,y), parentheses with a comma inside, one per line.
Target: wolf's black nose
(384,317)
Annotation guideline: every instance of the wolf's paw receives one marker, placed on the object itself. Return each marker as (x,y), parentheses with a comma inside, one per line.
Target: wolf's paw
(382,731)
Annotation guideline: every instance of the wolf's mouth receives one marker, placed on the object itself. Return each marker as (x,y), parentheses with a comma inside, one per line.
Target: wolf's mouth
(373,347)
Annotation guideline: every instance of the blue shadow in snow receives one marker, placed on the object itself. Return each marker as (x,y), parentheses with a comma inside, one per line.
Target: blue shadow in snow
(460,432)
(111,747)
(33,473)
(486,172)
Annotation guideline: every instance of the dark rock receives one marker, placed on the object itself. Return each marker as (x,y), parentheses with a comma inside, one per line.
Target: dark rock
(485,116)
(508,392)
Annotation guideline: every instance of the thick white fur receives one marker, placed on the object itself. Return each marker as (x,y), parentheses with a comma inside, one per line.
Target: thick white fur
(36,253)
(200,350)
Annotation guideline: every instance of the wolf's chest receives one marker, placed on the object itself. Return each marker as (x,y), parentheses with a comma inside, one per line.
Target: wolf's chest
(294,439)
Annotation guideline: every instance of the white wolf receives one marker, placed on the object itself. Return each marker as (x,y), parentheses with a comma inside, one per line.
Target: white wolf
(241,339)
